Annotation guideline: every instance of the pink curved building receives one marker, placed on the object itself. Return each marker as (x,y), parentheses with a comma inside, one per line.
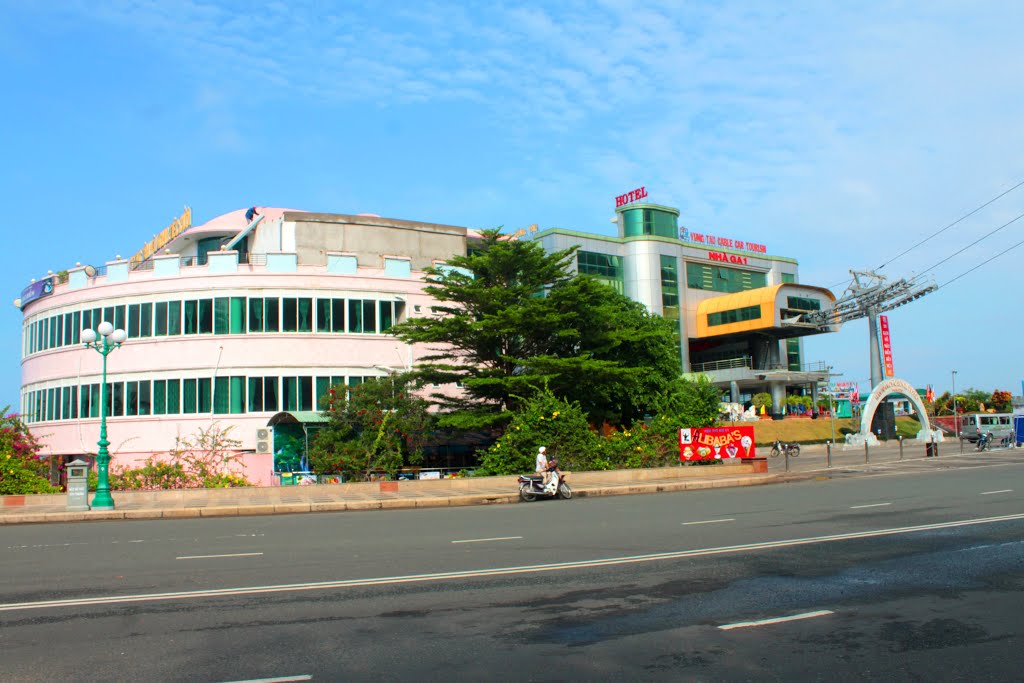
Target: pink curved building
(229,323)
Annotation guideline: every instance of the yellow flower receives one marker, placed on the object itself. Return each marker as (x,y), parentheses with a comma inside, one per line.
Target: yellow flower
(542,417)
(555,414)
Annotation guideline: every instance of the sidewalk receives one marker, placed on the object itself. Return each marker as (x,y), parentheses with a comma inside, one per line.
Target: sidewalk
(177,504)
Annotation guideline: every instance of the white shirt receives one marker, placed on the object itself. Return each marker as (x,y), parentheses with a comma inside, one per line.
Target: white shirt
(542,462)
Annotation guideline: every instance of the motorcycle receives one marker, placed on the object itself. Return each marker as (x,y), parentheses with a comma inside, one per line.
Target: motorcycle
(531,487)
(790,449)
(984,441)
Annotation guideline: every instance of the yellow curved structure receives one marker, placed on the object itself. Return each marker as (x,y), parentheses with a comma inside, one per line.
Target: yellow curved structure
(749,311)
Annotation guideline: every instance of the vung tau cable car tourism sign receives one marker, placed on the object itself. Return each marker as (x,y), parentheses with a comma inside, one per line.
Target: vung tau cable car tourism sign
(716,443)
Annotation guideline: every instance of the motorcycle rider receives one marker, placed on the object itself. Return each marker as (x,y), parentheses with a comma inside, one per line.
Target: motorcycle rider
(541,464)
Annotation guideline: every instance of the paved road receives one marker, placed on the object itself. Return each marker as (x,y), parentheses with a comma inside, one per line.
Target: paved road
(815,457)
(895,575)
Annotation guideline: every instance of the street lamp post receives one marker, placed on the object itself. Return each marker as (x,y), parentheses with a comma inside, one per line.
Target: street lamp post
(111,339)
(956,417)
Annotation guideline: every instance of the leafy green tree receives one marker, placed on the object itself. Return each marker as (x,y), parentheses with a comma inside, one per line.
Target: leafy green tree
(511,317)
(687,403)
(380,424)
(543,419)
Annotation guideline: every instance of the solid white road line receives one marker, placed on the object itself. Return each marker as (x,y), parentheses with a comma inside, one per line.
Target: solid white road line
(872,505)
(709,521)
(484,540)
(500,571)
(989,493)
(207,557)
(776,620)
(285,679)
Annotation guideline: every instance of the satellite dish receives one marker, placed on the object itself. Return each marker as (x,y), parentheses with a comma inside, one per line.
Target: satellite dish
(90,271)
(17,303)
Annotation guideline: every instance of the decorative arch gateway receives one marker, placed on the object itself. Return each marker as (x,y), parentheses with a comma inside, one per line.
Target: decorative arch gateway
(879,394)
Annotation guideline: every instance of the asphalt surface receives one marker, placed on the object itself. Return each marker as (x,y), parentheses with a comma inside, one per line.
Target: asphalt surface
(902,572)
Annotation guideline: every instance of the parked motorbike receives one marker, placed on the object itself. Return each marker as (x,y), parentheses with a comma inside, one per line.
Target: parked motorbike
(531,487)
(985,441)
(790,449)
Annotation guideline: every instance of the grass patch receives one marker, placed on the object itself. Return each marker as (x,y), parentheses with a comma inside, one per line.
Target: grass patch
(808,431)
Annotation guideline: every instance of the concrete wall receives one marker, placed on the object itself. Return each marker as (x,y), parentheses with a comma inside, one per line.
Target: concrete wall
(371,239)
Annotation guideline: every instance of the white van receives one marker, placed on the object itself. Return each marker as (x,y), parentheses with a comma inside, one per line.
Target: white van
(998,424)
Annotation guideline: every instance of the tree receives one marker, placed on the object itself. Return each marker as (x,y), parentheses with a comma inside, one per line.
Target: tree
(1002,401)
(511,317)
(380,424)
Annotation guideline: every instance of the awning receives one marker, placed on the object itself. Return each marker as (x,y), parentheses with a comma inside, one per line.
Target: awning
(301,417)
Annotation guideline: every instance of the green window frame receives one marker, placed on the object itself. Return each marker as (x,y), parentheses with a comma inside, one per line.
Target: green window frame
(191,317)
(160,319)
(221,315)
(337,315)
(323,315)
(255,314)
(206,316)
(173,396)
(238,309)
(669,287)
(159,397)
(133,321)
(802,303)
(735,315)
(793,355)
(190,391)
(173,318)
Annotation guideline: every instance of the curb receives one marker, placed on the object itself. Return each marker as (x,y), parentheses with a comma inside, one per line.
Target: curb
(250,510)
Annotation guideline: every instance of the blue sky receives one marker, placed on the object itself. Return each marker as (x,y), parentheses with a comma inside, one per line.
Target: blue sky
(835,133)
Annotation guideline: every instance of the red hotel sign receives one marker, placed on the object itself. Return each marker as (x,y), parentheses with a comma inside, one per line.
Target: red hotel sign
(883,323)
(716,443)
(631,196)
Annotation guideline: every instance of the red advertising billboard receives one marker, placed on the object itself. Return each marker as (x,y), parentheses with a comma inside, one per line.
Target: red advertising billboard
(716,443)
(883,324)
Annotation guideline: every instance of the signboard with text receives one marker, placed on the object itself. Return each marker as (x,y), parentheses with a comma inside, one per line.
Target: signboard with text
(883,325)
(716,443)
(36,290)
(711,241)
(631,196)
(177,226)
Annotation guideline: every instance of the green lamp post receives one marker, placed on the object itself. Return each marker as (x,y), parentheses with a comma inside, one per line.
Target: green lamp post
(111,339)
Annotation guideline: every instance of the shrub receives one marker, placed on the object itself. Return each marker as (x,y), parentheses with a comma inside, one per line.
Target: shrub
(22,469)
(545,420)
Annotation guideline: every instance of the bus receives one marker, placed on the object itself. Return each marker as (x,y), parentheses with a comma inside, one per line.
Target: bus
(998,424)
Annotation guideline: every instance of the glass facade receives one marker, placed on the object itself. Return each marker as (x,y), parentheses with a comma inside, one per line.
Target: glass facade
(605,267)
(799,303)
(722,279)
(793,354)
(223,316)
(643,221)
(228,395)
(736,315)
(670,287)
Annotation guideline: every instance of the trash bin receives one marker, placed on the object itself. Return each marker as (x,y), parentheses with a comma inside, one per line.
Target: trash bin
(931,449)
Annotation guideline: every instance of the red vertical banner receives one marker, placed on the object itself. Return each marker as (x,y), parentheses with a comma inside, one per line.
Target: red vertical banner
(883,324)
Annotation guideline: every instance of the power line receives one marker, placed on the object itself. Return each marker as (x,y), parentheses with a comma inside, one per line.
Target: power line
(960,251)
(958,220)
(1002,253)
(967,215)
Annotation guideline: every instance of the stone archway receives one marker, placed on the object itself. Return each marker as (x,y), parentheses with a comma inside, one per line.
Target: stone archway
(879,394)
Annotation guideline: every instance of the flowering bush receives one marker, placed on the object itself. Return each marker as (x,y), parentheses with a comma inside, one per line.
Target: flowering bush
(202,460)
(545,420)
(22,468)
